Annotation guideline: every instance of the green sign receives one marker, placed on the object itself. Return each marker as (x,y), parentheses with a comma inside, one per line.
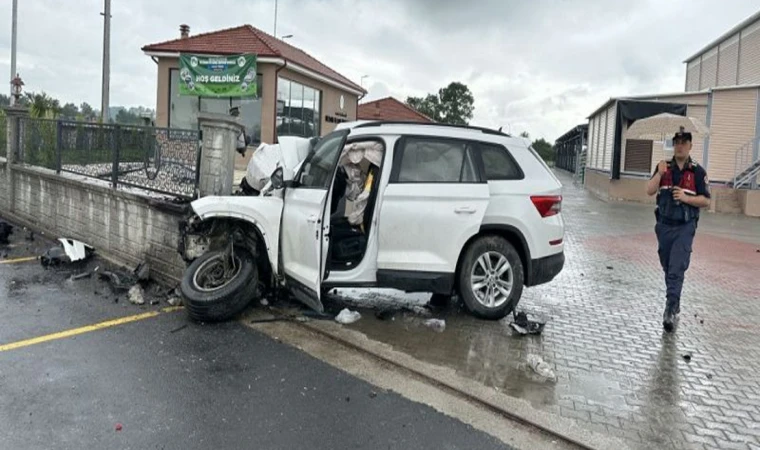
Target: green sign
(217,76)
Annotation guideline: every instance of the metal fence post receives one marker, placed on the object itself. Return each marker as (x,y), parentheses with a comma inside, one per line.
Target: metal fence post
(58,145)
(116,148)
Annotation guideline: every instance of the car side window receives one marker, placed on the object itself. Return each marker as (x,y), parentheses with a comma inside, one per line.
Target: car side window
(499,164)
(317,170)
(432,160)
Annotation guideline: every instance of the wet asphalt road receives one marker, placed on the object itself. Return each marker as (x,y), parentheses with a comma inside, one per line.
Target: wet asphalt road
(202,386)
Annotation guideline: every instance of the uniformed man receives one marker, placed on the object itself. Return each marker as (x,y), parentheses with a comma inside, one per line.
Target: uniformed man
(682,188)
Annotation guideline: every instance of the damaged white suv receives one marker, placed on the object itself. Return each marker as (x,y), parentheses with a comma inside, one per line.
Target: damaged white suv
(416,207)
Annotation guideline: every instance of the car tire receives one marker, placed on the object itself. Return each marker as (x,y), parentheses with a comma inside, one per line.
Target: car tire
(225,301)
(475,264)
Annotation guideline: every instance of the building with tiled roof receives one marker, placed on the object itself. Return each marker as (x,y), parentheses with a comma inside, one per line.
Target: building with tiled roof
(390,109)
(296,93)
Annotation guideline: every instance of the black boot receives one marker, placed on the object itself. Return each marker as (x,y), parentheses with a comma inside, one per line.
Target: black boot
(668,320)
(670,316)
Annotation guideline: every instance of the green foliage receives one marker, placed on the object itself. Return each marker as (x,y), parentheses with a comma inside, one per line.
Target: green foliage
(454,104)
(544,149)
(525,135)
(70,111)
(42,105)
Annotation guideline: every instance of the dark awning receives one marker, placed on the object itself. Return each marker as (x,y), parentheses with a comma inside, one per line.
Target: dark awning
(629,111)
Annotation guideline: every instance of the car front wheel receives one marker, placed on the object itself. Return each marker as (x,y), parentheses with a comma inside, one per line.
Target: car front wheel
(219,285)
(491,278)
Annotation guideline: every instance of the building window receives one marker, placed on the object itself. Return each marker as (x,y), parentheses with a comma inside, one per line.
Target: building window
(184,109)
(430,160)
(298,109)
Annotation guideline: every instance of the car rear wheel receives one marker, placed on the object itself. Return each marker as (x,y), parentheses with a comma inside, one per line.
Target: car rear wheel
(491,278)
(217,286)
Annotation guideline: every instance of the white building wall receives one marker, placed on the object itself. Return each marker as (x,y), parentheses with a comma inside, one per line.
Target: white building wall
(609,137)
(749,55)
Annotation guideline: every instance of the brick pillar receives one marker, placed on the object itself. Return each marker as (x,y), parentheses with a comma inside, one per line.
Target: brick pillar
(217,168)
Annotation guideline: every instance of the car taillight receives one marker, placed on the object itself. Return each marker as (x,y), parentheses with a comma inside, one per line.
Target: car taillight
(547,205)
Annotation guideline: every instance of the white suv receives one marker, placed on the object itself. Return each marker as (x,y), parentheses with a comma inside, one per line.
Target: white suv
(415,207)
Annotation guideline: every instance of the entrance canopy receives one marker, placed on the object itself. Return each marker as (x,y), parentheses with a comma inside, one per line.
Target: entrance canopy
(628,111)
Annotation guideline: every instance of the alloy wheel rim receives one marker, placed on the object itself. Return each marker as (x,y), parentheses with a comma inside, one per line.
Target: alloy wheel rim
(492,279)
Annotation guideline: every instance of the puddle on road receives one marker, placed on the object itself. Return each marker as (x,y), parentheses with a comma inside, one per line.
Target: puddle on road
(483,351)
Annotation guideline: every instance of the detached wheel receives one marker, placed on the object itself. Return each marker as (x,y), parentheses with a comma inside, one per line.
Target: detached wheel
(491,278)
(217,287)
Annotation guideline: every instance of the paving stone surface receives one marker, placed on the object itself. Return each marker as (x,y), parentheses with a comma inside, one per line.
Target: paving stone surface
(617,371)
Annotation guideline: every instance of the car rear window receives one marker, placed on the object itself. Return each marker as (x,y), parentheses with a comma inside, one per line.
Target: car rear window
(499,164)
(433,160)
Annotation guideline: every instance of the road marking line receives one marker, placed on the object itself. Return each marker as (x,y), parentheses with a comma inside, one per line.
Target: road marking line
(20,260)
(85,329)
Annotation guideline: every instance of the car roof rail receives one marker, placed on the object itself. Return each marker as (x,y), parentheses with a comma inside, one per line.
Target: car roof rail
(431,124)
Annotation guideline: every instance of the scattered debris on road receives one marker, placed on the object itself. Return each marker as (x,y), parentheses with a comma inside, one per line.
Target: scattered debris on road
(522,325)
(386,314)
(119,282)
(136,295)
(541,367)
(30,236)
(373,394)
(346,316)
(68,251)
(6,230)
(264,302)
(436,324)
(142,271)
(709,376)
(81,276)
(180,328)
(119,427)
(687,357)
(610,268)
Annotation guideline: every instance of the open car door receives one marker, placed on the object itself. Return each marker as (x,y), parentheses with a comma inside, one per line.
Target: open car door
(303,237)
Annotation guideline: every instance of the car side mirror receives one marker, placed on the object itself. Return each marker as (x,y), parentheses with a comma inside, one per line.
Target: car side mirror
(277,179)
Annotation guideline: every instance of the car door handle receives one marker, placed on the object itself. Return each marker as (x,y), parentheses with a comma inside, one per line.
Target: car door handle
(313,219)
(465,210)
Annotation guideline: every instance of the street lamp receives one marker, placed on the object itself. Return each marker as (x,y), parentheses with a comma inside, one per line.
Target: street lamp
(16,84)
(361,82)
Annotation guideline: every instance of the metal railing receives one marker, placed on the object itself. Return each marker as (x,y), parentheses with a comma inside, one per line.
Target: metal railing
(161,160)
(746,164)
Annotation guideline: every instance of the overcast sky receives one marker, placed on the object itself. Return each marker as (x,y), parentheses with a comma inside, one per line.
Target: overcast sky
(540,66)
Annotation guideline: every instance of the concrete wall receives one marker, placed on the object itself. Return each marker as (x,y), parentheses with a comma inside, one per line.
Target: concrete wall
(749,201)
(597,183)
(124,227)
(627,189)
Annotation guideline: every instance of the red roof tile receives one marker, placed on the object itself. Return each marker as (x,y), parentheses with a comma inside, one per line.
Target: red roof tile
(248,39)
(390,109)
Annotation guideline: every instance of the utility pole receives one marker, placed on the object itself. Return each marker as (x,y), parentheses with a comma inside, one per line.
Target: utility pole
(106,61)
(275,19)
(14,32)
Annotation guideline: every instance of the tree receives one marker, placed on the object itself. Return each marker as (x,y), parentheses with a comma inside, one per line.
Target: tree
(86,110)
(5,100)
(70,111)
(453,104)
(43,105)
(544,149)
(525,135)
(429,105)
